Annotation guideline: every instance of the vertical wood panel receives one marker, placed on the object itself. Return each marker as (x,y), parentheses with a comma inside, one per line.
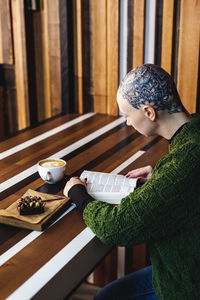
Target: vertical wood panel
(112,55)
(167,35)
(46,61)
(78,57)
(6,51)
(138,32)
(8,115)
(38,24)
(98,55)
(19,39)
(11,118)
(53,25)
(48,56)
(96,35)
(188,55)
(66,53)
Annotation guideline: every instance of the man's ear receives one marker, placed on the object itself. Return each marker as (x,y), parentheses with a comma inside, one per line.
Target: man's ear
(149,112)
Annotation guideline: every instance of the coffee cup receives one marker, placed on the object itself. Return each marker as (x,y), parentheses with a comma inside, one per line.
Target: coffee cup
(51,170)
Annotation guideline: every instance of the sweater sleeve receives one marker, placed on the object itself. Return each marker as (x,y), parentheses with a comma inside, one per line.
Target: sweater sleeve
(78,194)
(157,209)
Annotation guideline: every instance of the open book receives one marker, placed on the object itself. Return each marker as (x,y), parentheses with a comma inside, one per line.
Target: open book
(108,187)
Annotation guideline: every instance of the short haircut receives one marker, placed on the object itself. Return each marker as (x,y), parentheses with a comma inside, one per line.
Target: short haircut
(150,84)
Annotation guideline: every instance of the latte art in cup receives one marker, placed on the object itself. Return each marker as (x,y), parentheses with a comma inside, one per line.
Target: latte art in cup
(52,163)
(51,170)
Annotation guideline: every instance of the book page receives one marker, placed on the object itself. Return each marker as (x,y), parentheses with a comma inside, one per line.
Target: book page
(108,183)
(112,198)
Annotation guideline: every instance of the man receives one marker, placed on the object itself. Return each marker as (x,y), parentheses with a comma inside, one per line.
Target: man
(165,211)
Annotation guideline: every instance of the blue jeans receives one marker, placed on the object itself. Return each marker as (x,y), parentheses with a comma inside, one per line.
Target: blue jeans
(137,285)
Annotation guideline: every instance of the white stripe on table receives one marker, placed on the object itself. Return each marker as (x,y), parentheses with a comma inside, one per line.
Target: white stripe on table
(28,239)
(45,273)
(30,287)
(45,135)
(30,171)
(127,162)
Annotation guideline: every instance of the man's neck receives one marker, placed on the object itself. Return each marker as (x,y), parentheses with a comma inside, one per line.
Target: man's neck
(170,123)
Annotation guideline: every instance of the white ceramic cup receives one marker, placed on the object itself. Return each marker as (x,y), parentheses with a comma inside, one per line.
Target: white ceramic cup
(51,170)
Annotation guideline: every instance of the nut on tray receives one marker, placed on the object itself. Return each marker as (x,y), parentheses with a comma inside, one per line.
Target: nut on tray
(30,205)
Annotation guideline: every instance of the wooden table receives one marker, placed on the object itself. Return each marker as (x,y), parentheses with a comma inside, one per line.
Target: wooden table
(50,264)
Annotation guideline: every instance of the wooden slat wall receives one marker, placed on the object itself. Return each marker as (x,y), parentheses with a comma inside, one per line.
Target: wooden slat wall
(45,110)
(52,23)
(46,58)
(138,32)
(112,55)
(180,47)
(38,25)
(96,75)
(47,53)
(6,50)
(188,55)
(19,39)
(167,35)
(98,54)
(78,55)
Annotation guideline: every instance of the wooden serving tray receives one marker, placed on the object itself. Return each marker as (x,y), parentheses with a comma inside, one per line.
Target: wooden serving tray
(53,209)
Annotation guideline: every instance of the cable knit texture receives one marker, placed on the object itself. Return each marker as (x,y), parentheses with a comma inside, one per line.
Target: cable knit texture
(165,214)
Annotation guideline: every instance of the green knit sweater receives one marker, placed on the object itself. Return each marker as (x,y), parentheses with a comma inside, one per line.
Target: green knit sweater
(165,214)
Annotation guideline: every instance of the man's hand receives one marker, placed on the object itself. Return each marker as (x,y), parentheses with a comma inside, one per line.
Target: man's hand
(143,173)
(73,181)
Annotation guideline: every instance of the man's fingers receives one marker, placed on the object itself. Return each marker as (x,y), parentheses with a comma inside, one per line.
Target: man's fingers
(145,171)
(132,175)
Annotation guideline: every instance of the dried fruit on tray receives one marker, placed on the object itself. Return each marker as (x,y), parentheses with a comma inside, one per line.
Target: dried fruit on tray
(30,205)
